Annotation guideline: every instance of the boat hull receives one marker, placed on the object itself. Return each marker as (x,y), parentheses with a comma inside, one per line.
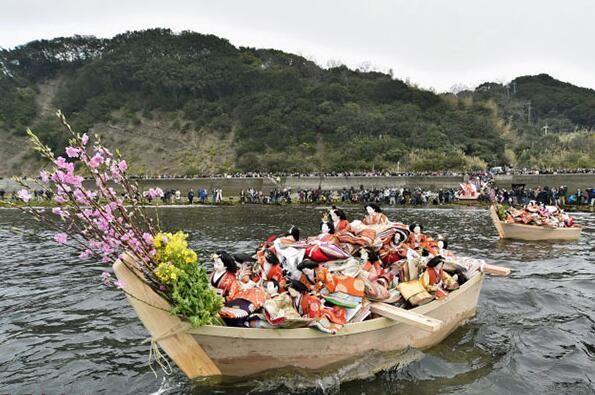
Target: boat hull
(532,232)
(247,351)
(238,352)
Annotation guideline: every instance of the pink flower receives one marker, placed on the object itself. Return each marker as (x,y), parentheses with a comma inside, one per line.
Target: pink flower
(80,197)
(58,176)
(96,160)
(61,162)
(86,254)
(84,139)
(45,176)
(123,166)
(58,211)
(60,238)
(59,199)
(153,193)
(73,180)
(148,238)
(106,279)
(73,152)
(119,284)
(24,195)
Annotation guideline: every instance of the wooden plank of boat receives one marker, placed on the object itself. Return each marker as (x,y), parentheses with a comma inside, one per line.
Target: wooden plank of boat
(248,351)
(236,352)
(168,330)
(532,232)
(497,222)
(406,316)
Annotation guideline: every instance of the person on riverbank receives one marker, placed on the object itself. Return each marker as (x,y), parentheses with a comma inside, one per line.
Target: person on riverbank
(190,196)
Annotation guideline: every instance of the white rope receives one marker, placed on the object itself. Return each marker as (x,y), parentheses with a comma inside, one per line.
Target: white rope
(161,360)
(156,354)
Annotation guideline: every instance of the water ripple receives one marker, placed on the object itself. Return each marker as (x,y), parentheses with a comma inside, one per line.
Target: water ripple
(61,332)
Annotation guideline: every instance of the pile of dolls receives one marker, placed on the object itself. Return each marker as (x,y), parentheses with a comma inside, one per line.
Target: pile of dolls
(467,191)
(538,214)
(329,280)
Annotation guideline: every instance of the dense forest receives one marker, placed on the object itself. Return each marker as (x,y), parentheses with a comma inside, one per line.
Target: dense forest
(188,103)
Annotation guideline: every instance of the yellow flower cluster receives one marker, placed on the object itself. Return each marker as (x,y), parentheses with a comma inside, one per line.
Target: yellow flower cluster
(168,273)
(173,255)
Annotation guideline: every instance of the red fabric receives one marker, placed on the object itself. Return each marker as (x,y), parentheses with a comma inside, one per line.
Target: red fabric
(342,226)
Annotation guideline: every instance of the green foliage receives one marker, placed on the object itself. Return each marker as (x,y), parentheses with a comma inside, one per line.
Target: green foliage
(287,114)
(191,294)
(195,299)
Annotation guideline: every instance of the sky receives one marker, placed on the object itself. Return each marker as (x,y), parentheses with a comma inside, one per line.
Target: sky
(434,44)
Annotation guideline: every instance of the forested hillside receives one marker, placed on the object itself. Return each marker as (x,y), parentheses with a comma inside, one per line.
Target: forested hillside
(194,104)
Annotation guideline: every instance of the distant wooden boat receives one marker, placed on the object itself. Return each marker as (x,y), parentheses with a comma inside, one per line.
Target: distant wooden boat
(231,351)
(467,197)
(532,232)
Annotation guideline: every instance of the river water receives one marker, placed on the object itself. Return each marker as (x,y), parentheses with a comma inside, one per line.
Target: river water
(62,332)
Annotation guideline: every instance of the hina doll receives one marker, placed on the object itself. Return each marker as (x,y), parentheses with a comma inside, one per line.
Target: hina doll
(340,221)
(287,253)
(395,249)
(271,268)
(374,215)
(237,310)
(223,278)
(326,246)
(377,278)
(416,240)
(307,305)
(310,306)
(435,280)
(314,276)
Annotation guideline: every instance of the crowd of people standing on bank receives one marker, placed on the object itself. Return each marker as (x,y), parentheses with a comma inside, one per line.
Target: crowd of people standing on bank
(518,195)
(549,196)
(368,173)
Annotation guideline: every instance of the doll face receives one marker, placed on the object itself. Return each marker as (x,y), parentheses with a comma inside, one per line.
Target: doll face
(324,228)
(334,216)
(308,272)
(440,244)
(293,292)
(369,210)
(271,288)
(218,265)
(364,255)
(417,230)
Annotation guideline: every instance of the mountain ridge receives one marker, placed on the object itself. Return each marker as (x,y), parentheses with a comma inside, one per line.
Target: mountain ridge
(244,109)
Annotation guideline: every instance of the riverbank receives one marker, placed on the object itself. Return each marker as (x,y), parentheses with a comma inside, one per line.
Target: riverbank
(235,201)
(233,186)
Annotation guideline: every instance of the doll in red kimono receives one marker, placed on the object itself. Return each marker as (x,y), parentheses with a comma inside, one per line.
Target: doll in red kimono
(374,215)
(272,269)
(310,306)
(395,248)
(435,280)
(223,278)
(340,221)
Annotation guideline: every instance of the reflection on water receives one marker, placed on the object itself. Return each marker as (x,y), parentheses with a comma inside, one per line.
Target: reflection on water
(60,331)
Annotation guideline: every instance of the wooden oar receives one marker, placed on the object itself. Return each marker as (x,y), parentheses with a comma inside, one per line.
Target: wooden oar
(166,329)
(406,317)
(496,270)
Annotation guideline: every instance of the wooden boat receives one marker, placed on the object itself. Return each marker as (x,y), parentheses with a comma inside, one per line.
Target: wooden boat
(231,351)
(532,232)
(471,198)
